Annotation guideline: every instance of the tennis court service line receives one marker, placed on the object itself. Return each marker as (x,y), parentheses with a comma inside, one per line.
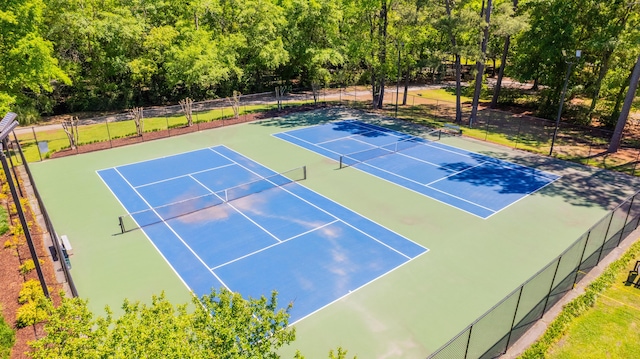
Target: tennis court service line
(185,175)
(275,244)
(311,143)
(172,230)
(431,188)
(239,211)
(329,213)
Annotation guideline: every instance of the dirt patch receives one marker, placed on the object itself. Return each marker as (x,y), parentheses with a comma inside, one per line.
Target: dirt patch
(11,281)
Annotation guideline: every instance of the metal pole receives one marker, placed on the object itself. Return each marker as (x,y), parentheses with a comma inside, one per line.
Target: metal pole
(515,314)
(546,302)
(626,219)
(564,90)
(13,169)
(400,44)
(48,223)
(35,138)
(584,250)
(604,240)
(23,221)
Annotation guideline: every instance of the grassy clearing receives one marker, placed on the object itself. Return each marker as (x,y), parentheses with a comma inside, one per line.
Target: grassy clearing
(441,94)
(611,329)
(57,139)
(601,323)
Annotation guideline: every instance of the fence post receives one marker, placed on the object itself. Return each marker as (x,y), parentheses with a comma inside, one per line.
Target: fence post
(515,314)
(605,236)
(466,350)
(635,164)
(546,302)
(625,221)
(106,122)
(486,129)
(518,133)
(35,138)
(584,249)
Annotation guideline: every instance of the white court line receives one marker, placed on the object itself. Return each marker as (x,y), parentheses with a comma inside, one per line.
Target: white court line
(273,245)
(421,184)
(455,173)
(311,143)
(155,158)
(237,210)
(172,230)
(145,234)
(186,175)
(359,288)
(332,215)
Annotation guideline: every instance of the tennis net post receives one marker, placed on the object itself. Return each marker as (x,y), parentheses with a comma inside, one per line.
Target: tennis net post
(354,158)
(160,214)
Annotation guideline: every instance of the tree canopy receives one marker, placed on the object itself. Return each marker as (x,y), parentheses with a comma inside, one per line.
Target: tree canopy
(86,55)
(219,325)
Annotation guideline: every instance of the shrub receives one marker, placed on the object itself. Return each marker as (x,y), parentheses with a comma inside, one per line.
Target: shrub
(33,312)
(28,266)
(31,291)
(35,306)
(4,220)
(7,339)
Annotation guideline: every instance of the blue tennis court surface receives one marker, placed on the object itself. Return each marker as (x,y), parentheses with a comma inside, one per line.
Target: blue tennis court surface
(223,220)
(469,181)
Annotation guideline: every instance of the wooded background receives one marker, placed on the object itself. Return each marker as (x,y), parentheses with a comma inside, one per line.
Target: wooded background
(63,56)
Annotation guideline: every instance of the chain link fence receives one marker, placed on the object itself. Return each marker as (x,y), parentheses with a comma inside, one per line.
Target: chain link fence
(575,143)
(586,145)
(492,334)
(120,129)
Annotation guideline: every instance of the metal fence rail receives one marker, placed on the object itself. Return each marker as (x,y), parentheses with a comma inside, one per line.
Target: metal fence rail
(581,144)
(492,334)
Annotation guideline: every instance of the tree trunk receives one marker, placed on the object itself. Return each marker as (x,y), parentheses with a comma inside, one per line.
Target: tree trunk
(458,66)
(618,101)
(604,68)
(480,66)
(406,88)
(458,89)
(503,61)
(382,55)
(624,114)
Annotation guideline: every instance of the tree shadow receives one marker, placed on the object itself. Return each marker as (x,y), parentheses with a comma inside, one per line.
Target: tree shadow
(579,185)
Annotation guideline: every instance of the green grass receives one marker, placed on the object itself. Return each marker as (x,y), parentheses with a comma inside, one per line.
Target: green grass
(57,139)
(441,94)
(611,329)
(601,323)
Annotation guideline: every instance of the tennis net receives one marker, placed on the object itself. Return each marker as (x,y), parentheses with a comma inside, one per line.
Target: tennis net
(177,209)
(354,158)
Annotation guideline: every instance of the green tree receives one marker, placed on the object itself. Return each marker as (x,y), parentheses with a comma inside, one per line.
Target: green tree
(313,40)
(221,325)
(506,23)
(28,67)
(461,25)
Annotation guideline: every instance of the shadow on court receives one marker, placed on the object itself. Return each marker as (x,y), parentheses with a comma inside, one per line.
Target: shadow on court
(580,185)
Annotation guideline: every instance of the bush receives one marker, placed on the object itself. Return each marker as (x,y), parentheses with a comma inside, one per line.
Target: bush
(7,339)
(35,306)
(4,220)
(32,312)
(30,292)
(28,266)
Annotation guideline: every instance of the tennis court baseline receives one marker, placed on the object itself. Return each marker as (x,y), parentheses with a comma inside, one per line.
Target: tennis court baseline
(474,183)
(222,220)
